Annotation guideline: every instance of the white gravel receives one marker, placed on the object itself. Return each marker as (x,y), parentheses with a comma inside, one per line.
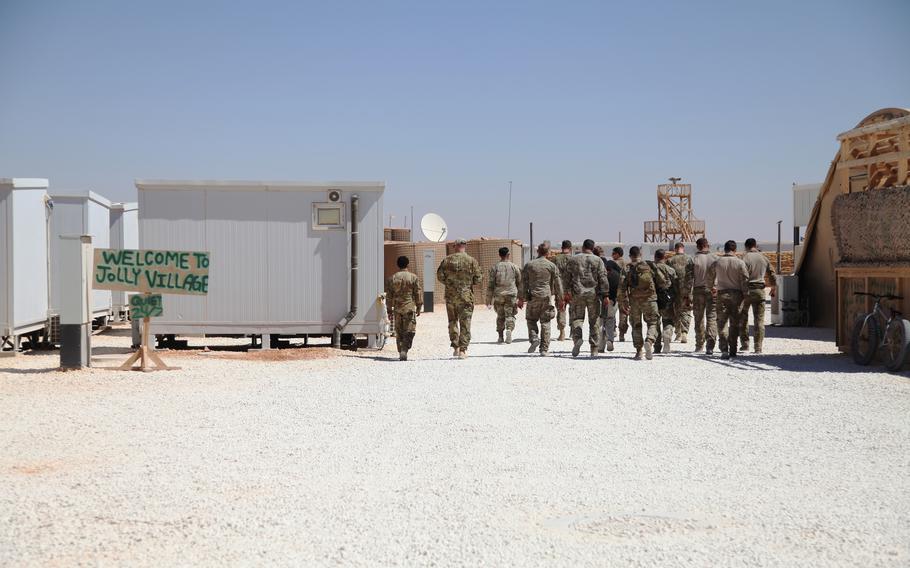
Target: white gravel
(791,458)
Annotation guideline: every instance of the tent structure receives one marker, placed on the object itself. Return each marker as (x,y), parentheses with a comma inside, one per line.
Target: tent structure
(858,232)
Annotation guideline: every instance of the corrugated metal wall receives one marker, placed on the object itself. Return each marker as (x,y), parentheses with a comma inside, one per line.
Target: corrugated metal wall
(124,235)
(6,268)
(29,256)
(270,270)
(804,197)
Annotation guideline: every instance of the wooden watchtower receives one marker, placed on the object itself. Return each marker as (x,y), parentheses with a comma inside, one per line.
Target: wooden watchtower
(675,218)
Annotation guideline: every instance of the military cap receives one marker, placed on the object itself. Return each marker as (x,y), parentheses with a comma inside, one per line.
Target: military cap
(461,242)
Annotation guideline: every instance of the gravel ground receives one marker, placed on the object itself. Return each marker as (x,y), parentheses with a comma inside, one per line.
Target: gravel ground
(312,457)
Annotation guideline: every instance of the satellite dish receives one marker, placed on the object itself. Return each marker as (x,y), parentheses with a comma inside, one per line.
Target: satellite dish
(434,227)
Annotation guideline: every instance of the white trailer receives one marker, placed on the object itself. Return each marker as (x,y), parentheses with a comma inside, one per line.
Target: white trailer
(287,258)
(23,259)
(124,235)
(79,213)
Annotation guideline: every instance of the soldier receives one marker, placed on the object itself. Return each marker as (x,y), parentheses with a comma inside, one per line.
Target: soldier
(623,318)
(560,262)
(759,268)
(702,299)
(586,282)
(637,297)
(540,280)
(608,330)
(406,299)
(666,300)
(685,274)
(502,293)
(459,273)
(729,283)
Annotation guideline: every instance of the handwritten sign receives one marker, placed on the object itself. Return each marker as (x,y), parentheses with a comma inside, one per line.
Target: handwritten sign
(146,306)
(161,271)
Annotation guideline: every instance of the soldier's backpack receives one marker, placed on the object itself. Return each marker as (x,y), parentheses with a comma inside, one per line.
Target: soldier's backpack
(664,295)
(641,278)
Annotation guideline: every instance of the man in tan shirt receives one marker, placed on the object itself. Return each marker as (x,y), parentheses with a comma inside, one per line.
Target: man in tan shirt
(729,282)
(759,268)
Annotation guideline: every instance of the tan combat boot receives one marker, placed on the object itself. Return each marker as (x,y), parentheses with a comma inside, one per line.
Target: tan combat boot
(637,354)
(508,336)
(562,335)
(649,350)
(500,340)
(684,337)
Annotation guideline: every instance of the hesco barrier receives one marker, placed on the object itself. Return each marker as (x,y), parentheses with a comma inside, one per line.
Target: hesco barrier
(486,251)
(414,251)
(401,235)
(387,234)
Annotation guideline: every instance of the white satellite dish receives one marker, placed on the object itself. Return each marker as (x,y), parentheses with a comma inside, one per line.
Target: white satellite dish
(434,227)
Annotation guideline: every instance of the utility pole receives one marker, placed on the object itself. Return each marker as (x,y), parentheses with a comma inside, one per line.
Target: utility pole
(412,222)
(778,246)
(509,225)
(531,244)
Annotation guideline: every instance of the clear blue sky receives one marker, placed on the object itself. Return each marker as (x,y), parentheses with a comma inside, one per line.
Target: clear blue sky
(585,106)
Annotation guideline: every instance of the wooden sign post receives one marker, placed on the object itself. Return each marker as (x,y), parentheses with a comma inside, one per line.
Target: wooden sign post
(145,307)
(150,272)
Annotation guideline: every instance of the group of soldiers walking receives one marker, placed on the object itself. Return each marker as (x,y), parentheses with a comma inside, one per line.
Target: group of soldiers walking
(656,298)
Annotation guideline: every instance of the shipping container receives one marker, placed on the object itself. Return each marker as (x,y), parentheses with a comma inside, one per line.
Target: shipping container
(79,213)
(281,255)
(23,259)
(124,235)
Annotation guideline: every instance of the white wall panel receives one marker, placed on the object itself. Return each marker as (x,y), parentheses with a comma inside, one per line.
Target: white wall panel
(29,256)
(6,267)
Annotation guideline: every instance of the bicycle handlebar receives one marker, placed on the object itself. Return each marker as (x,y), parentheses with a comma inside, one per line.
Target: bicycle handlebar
(879,296)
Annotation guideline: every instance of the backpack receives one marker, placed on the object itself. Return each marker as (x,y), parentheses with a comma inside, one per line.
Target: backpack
(664,295)
(641,278)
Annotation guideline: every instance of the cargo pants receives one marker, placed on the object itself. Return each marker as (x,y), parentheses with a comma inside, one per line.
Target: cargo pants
(540,310)
(506,307)
(643,309)
(405,328)
(667,324)
(728,306)
(705,318)
(682,316)
(561,317)
(755,300)
(459,313)
(608,324)
(590,305)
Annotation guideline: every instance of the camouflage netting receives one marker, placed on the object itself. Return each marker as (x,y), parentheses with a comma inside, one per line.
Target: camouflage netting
(873,227)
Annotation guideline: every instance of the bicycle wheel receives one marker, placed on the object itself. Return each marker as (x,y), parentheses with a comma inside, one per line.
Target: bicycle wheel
(897,344)
(864,342)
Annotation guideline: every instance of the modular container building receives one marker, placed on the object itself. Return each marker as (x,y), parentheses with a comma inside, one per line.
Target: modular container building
(79,213)
(287,258)
(23,259)
(124,235)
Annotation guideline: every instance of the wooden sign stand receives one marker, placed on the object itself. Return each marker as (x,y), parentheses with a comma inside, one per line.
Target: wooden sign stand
(145,355)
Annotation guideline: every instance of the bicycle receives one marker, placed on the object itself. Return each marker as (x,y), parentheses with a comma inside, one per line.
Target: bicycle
(868,339)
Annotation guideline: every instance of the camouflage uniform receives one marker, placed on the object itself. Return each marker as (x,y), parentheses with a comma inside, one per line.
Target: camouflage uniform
(540,280)
(730,277)
(668,315)
(703,302)
(623,318)
(459,273)
(642,304)
(560,261)
(502,293)
(405,299)
(586,282)
(759,268)
(685,274)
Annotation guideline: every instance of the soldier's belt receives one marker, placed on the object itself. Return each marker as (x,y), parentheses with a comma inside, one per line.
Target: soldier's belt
(756,285)
(738,291)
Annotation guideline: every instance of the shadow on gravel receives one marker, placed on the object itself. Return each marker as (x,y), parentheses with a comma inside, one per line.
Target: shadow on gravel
(27,371)
(803,333)
(823,363)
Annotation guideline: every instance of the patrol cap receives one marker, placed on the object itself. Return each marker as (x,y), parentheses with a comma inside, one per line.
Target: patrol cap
(461,242)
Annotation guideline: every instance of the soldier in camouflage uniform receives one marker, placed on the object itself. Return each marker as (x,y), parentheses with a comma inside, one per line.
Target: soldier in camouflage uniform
(703,300)
(586,281)
(623,318)
(405,300)
(759,268)
(667,313)
(502,293)
(637,297)
(729,282)
(459,273)
(560,262)
(540,280)
(684,267)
